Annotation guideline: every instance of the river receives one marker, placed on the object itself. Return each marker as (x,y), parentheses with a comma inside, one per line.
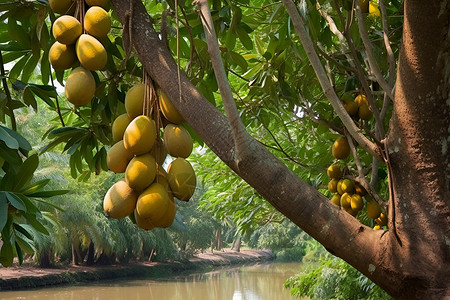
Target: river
(254,282)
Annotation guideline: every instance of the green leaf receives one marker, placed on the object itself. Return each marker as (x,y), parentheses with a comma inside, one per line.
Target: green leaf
(26,171)
(33,187)
(31,218)
(23,143)
(18,67)
(20,228)
(244,37)
(3,210)
(15,201)
(19,253)
(6,253)
(11,142)
(47,194)
(24,245)
(28,98)
(29,67)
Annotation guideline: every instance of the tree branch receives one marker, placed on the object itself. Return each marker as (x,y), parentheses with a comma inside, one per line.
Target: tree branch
(369,51)
(239,132)
(354,131)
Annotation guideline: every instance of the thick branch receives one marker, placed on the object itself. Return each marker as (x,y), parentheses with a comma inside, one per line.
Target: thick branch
(240,135)
(354,131)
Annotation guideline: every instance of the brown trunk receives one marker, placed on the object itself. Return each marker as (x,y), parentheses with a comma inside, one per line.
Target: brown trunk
(218,240)
(418,149)
(404,269)
(76,252)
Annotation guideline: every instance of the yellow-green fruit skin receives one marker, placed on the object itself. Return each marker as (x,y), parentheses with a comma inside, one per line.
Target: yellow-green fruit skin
(67,29)
(97,22)
(62,7)
(346,201)
(118,158)
(181,178)
(134,100)
(167,218)
(348,186)
(119,201)
(373,210)
(119,125)
(141,171)
(351,107)
(334,171)
(80,86)
(140,135)
(178,141)
(169,111)
(143,223)
(62,56)
(91,53)
(332,185)
(102,3)
(364,112)
(153,202)
(356,202)
(341,148)
(336,199)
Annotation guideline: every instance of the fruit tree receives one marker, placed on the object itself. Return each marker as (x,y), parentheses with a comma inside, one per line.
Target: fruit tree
(305,100)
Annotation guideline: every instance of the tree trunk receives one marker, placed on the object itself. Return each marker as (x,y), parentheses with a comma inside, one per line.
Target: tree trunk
(76,252)
(90,254)
(218,240)
(412,258)
(237,244)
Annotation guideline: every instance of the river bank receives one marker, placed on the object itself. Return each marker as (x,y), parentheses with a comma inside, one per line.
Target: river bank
(25,277)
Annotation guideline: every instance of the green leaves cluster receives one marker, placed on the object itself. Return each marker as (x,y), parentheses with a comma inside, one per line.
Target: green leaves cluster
(19,196)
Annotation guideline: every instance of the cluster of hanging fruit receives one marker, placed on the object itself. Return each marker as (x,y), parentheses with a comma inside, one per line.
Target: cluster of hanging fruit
(78,32)
(146,194)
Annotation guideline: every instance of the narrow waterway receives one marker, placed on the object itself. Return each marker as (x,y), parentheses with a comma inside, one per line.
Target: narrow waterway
(255,282)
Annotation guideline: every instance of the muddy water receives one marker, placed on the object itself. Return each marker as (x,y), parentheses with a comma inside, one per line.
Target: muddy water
(257,282)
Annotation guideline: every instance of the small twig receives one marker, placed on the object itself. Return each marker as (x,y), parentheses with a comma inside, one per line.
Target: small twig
(323,79)
(369,51)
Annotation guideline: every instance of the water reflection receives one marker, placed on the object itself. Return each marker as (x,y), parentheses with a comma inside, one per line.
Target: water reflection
(258,282)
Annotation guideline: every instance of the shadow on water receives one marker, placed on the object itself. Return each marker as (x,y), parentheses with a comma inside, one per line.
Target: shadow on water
(250,282)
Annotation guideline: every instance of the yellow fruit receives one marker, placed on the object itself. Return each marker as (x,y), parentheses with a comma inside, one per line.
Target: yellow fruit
(62,56)
(339,187)
(332,185)
(102,3)
(153,202)
(118,158)
(97,22)
(382,220)
(140,135)
(66,29)
(373,210)
(356,202)
(364,4)
(364,112)
(91,53)
(348,186)
(177,140)
(334,171)
(141,171)
(341,148)
(134,100)
(346,201)
(167,218)
(80,86)
(142,222)
(336,199)
(374,11)
(181,178)
(359,189)
(377,227)
(169,111)
(351,107)
(159,151)
(361,99)
(62,7)
(119,125)
(119,201)
(351,211)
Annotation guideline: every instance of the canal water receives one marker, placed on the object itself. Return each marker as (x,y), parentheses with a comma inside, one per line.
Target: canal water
(254,282)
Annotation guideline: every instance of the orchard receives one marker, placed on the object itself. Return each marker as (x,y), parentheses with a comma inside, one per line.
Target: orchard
(334,114)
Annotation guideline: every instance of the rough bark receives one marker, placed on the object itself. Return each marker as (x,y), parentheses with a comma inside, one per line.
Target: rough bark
(377,254)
